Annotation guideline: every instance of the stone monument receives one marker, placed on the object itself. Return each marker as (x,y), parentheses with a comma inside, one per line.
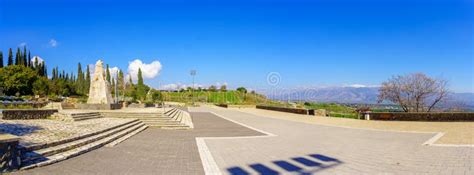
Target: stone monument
(99,91)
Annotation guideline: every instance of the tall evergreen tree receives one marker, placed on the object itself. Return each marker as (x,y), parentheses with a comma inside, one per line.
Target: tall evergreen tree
(107,74)
(29,59)
(10,57)
(120,82)
(18,57)
(80,79)
(141,94)
(24,61)
(88,81)
(1,59)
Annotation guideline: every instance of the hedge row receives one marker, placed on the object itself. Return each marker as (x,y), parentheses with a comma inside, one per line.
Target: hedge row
(423,116)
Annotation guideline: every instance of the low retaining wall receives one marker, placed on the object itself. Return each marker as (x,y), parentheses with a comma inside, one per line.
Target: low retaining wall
(134,105)
(289,110)
(422,116)
(235,106)
(9,153)
(27,114)
(99,106)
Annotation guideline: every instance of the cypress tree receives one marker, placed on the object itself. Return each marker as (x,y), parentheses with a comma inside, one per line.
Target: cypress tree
(140,85)
(120,82)
(24,61)
(36,63)
(29,59)
(10,57)
(80,79)
(18,57)
(107,74)
(88,81)
(1,59)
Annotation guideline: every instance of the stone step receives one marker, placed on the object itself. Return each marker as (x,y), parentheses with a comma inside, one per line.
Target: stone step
(84,113)
(120,140)
(64,141)
(38,154)
(86,118)
(85,148)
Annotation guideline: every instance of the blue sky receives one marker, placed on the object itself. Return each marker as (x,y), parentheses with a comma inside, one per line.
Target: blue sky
(309,43)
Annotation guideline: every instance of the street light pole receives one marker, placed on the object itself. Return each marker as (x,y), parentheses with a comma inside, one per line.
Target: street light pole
(193,74)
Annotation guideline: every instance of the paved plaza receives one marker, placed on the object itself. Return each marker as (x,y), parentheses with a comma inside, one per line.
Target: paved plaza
(250,144)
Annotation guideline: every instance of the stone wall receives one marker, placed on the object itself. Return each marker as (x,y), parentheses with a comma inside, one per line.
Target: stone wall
(27,114)
(143,105)
(9,154)
(235,106)
(422,116)
(99,106)
(289,110)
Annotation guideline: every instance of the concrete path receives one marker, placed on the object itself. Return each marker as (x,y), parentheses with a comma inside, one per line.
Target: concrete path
(153,151)
(282,147)
(303,148)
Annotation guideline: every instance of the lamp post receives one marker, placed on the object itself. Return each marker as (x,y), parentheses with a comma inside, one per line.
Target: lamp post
(193,74)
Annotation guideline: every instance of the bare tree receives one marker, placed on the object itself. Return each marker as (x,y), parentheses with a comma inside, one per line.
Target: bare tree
(414,92)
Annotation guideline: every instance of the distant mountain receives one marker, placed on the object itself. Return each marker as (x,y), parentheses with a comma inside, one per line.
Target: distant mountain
(365,95)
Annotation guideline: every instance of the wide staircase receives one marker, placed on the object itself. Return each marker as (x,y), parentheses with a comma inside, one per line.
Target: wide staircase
(157,120)
(181,116)
(49,153)
(67,115)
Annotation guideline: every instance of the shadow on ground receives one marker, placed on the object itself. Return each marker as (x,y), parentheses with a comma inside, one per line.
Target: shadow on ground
(18,129)
(310,164)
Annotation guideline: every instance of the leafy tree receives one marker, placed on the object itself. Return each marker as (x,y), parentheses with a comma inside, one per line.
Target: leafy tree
(17,79)
(242,90)
(223,88)
(41,86)
(212,88)
(1,59)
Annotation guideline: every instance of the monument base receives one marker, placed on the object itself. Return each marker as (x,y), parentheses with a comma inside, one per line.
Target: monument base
(99,106)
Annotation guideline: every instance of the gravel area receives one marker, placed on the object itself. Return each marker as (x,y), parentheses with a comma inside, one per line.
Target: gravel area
(42,131)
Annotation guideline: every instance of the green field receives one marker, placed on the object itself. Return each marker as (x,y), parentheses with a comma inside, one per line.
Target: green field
(229,97)
(334,110)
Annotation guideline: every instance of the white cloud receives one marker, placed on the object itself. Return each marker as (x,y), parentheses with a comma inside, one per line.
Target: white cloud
(113,72)
(53,43)
(40,60)
(149,71)
(23,44)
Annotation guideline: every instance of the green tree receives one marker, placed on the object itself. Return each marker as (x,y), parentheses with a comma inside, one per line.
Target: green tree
(29,59)
(18,57)
(120,82)
(10,57)
(87,84)
(1,59)
(17,79)
(24,61)
(223,88)
(141,89)
(212,88)
(107,74)
(80,79)
(41,86)
(242,90)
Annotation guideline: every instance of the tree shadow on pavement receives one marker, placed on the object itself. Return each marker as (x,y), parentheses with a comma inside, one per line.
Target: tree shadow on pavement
(18,129)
